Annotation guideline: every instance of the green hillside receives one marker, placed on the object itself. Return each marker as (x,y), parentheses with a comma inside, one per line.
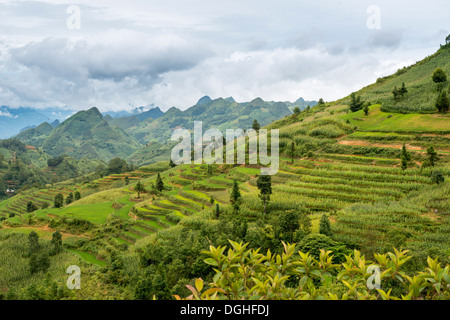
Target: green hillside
(344,184)
(422,91)
(85,134)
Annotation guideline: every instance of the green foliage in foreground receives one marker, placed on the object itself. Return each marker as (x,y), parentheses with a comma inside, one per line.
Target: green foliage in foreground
(243,273)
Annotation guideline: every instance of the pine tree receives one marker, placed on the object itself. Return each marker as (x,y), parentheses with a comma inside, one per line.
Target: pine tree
(264,184)
(159,183)
(404,153)
(172,164)
(403,90)
(404,162)
(56,242)
(432,156)
(217,210)
(325,226)
(235,196)
(366,109)
(292,151)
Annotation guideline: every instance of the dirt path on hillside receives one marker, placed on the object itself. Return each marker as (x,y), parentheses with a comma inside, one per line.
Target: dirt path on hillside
(363,143)
(379,145)
(48,229)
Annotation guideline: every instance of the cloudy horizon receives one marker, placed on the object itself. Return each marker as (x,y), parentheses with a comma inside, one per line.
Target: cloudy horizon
(120,55)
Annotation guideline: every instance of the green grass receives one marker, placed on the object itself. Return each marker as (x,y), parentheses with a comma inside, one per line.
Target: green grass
(88,257)
(96,213)
(380,121)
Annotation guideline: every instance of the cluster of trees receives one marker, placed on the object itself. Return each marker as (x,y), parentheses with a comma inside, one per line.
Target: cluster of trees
(115,166)
(399,93)
(53,162)
(71,197)
(39,256)
(156,188)
(442,101)
(356,102)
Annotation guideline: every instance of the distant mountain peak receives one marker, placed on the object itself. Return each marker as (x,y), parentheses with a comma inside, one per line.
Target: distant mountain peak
(257,102)
(204,100)
(230,99)
(95,111)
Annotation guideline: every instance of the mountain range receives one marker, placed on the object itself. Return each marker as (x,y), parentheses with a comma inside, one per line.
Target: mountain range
(143,135)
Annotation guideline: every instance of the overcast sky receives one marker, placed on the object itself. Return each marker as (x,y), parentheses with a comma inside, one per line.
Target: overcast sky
(122,54)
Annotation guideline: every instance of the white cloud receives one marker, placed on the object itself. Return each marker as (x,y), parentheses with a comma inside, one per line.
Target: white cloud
(173,52)
(7,114)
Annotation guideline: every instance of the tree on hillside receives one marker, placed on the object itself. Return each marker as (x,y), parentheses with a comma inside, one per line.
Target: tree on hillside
(432,157)
(69,198)
(117,166)
(159,183)
(289,223)
(439,76)
(264,184)
(405,156)
(139,188)
(325,226)
(442,102)
(404,162)
(31,207)
(255,125)
(447,39)
(172,164)
(39,262)
(437,177)
(320,102)
(306,224)
(403,89)
(59,201)
(56,242)
(77,195)
(405,153)
(33,242)
(396,93)
(235,196)
(356,103)
(292,151)
(297,110)
(366,109)
(217,210)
